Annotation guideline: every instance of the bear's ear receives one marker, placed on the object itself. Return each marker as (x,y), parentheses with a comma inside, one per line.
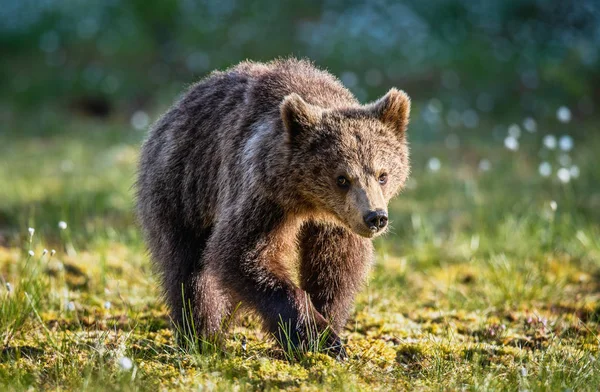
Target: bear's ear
(393,109)
(298,116)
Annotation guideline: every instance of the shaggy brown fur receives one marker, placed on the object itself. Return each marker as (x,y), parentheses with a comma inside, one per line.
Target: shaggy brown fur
(259,165)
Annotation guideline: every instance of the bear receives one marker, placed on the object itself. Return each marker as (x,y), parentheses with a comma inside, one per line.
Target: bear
(263,186)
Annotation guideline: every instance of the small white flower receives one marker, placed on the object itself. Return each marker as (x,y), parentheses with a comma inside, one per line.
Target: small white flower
(62,225)
(107,305)
(523,371)
(71,306)
(434,164)
(563,175)
(545,169)
(125,363)
(485,165)
(553,205)
(514,130)
(44,252)
(565,143)
(563,114)
(9,287)
(52,252)
(30,253)
(511,143)
(31,231)
(574,171)
(530,125)
(550,142)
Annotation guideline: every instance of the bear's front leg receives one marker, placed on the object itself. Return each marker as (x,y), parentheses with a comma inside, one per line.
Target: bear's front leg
(333,266)
(250,254)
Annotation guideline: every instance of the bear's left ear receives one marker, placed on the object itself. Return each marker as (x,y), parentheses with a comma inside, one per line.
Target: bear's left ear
(299,116)
(392,109)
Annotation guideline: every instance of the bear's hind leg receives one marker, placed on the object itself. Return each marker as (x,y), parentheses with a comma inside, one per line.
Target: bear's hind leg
(333,267)
(197,305)
(207,308)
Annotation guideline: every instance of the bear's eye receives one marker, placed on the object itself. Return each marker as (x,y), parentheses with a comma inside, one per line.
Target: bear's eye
(343,182)
(383,178)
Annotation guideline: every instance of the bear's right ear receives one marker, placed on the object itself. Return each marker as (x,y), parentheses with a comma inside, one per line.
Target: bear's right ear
(393,109)
(298,116)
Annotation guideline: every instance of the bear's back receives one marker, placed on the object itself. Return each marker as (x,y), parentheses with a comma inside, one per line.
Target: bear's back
(269,83)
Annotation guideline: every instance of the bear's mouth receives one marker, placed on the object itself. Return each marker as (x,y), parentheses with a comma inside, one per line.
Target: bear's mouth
(361,229)
(369,234)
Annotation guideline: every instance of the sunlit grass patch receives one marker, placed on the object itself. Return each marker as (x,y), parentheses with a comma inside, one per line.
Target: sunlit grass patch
(488,279)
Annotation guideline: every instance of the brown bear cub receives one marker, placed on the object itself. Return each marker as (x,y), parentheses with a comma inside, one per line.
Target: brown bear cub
(261,171)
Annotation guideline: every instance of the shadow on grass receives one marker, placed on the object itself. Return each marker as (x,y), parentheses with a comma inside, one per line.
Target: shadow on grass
(12,353)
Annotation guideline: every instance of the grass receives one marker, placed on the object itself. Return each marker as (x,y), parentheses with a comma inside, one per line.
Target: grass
(483,283)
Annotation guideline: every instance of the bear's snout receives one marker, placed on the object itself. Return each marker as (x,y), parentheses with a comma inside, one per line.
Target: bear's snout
(376,220)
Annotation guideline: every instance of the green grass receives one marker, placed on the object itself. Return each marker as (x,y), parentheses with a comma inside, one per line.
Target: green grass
(480,284)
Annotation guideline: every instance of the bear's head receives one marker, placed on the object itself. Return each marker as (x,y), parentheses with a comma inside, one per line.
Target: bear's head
(348,162)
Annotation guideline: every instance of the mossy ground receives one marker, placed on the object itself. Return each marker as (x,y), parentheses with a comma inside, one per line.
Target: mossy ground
(482,282)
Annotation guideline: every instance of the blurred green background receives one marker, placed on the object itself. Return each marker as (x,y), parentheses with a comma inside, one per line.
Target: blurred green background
(110,58)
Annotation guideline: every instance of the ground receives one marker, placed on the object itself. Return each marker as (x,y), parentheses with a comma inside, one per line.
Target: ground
(488,279)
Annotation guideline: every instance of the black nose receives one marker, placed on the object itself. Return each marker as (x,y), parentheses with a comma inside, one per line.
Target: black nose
(376,220)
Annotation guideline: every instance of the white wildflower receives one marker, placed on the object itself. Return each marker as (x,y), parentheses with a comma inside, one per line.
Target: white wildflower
(563,114)
(550,142)
(62,225)
(107,305)
(125,363)
(511,143)
(545,169)
(563,175)
(553,205)
(434,164)
(31,231)
(530,125)
(31,253)
(565,143)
